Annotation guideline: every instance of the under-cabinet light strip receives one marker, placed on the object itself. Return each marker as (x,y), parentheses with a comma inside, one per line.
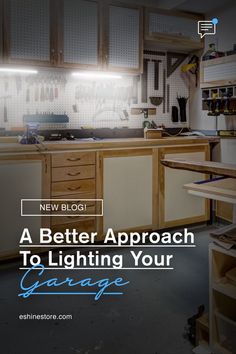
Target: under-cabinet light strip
(96,75)
(18,71)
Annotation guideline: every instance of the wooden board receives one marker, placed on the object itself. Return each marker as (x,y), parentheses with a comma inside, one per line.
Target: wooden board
(224,211)
(103,144)
(219,189)
(217,168)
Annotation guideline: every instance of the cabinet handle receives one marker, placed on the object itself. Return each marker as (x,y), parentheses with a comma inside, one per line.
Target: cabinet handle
(53,56)
(72,174)
(73,188)
(74,159)
(61,56)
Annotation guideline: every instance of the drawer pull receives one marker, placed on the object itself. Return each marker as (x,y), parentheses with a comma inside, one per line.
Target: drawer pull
(74,159)
(73,188)
(72,174)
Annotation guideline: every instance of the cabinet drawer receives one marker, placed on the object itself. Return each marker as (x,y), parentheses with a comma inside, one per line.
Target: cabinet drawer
(73,173)
(72,187)
(88,225)
(73,159)
(59,220)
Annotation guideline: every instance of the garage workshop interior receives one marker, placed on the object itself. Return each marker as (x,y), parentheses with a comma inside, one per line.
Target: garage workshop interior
(118,176)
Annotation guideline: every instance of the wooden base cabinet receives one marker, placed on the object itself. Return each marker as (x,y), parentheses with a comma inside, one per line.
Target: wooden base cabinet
(73,177)
(176,206)
(125,180)
(21,177)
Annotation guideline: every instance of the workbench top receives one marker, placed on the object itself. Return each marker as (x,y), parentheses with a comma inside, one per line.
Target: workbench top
(50,146)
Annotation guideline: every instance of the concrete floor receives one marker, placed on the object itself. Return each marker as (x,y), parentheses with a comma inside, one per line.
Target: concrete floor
(148,319)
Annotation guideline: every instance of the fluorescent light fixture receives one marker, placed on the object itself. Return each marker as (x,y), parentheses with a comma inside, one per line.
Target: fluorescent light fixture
(18,71)
(96,75)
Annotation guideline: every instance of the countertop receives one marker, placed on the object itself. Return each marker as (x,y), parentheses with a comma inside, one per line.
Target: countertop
(50,146)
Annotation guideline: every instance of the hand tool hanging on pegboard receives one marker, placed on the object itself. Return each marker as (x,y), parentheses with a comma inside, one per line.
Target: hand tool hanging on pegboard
(156,74)
(135,89)
(144,78)
(164,91)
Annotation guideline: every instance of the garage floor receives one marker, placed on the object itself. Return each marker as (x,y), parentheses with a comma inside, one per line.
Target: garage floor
(148,319)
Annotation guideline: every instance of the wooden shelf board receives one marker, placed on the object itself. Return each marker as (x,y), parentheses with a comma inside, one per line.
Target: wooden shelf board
(217,168)
(218,83)
(226,289)
(218,349)
(172,42)
(218,61)
(223,189)
(215,247)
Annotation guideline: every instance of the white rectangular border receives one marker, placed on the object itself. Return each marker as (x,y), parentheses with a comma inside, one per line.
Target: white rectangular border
(26,200)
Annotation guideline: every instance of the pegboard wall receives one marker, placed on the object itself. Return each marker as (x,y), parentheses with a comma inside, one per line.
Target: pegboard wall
(89,103)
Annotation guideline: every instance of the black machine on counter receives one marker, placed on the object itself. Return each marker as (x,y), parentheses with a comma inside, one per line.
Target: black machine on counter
(32,126)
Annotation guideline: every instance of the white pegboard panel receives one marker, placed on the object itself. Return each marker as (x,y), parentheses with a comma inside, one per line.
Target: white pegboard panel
(29,29)
(123,37)
(99,104)
(178,86)
(220,72)
(80,32)
(159,23)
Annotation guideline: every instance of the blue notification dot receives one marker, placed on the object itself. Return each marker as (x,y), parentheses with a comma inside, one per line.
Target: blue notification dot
(215,21)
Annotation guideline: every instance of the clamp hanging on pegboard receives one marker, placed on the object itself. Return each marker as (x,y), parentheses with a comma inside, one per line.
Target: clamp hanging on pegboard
(192,67)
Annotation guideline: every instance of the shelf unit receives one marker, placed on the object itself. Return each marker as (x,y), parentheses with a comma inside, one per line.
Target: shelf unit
(222,315)
(172,30)
(222,285)
(218,72)
(221,93)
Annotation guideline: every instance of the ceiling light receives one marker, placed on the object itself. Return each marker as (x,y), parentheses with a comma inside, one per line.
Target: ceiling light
(96,75)
(18,71)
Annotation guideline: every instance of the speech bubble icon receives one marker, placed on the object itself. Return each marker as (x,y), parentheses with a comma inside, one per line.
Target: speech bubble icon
(206,28)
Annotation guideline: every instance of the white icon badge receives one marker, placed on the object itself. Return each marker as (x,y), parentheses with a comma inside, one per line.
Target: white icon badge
(206,28)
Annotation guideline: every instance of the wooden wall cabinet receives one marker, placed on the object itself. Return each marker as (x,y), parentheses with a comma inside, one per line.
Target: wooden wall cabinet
(172,30)
(29,32)
(79,34)
(21,177)
(1,31)
(123,38)
(125,183)
(176,206)
(83,34)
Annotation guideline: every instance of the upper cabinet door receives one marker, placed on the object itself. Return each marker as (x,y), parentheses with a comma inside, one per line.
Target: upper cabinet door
(124,33)
(79,33)
(28,31)
(1,31)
